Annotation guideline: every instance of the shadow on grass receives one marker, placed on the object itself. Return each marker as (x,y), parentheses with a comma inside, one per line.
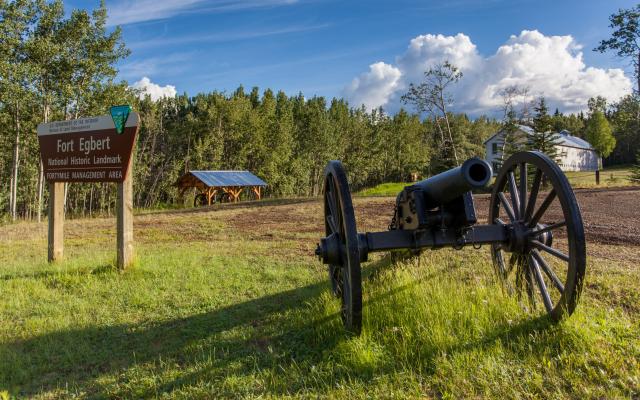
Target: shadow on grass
(202,345)
(78,356)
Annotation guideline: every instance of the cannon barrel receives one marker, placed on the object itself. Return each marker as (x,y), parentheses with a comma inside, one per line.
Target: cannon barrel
(447,186)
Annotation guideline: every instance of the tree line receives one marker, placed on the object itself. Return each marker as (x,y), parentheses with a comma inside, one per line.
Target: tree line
(57,67)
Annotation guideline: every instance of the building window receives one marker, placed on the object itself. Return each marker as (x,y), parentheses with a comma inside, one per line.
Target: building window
(494,148)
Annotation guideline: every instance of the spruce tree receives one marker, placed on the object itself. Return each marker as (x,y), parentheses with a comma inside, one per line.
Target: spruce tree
(544,139)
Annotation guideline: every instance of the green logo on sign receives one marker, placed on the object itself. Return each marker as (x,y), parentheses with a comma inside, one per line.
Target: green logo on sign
(119,114)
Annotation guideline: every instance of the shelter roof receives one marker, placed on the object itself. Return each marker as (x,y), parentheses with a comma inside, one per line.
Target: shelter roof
(226,178)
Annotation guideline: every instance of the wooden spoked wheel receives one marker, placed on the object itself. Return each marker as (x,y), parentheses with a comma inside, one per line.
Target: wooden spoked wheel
(544,260)
(340,221)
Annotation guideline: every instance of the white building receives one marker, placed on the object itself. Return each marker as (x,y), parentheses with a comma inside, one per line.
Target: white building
(574,154)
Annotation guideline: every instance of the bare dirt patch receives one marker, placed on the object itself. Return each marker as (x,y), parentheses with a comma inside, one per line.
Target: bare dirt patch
(611,217)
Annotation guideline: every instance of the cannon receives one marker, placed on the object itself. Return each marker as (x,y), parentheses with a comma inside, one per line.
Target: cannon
(534,230)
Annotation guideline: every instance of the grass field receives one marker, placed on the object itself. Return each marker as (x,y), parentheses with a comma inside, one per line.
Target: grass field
(609,177)
(228,302)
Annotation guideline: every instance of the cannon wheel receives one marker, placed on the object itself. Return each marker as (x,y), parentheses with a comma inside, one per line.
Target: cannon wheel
(546,255)
(339,218)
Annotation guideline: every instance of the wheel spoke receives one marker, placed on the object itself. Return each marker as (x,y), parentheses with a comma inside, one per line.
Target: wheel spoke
(523,189)
(546,299)
(548,228)
(535,187)
(529,280)
(550,250)
(547,269)
(332,207)
(332,224)
(543,208)
(515,200)
(507,206)
(337,279)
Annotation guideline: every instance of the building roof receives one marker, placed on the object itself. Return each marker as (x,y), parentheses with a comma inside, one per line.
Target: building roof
(227,178)
(526,129)
(573,141)
(564,138)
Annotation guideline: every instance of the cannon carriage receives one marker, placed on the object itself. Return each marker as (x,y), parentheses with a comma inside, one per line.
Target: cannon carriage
(534,230)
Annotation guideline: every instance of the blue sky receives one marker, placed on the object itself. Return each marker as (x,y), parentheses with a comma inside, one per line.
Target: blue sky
(321,46)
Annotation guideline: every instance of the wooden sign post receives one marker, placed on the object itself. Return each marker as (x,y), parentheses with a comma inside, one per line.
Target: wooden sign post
(95,149)
(56,221)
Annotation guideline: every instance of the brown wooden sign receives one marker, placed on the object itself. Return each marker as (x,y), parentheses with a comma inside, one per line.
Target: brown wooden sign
(87,149)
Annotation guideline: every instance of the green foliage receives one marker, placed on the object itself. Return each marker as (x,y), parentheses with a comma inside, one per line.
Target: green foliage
(635,170)
(598,133)
(598,104)
(625,37)
(52,66)
(626,129)
(544,139)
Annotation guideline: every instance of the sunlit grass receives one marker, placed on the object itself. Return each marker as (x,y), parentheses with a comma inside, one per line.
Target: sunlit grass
(210,311)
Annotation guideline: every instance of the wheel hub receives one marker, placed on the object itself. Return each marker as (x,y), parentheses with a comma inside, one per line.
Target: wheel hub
(329,250)
(544,237)
(520,237)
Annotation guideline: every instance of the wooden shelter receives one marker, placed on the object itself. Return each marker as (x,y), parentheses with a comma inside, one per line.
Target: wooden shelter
(227,185)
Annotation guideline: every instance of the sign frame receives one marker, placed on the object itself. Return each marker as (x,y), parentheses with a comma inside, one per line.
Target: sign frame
(93,149)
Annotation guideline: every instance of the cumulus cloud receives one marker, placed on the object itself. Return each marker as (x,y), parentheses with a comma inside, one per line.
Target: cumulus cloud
(551,66)
(146,87)
(374,88)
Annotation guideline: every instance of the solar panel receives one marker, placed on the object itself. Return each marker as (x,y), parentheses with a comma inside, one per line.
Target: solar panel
(228,178)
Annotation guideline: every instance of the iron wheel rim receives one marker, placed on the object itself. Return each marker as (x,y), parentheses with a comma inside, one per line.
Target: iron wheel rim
(345,278)
(530,212)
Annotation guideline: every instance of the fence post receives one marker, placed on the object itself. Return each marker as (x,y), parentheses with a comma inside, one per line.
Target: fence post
(597,177)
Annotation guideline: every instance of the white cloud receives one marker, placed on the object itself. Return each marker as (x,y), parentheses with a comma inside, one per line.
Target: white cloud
(552,66)
(146,87)
(374,88)
(222,36)
(122,12)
